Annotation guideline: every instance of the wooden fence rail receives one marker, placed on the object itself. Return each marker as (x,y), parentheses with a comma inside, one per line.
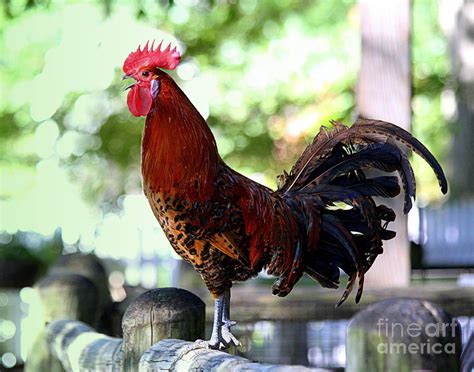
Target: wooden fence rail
(78,347)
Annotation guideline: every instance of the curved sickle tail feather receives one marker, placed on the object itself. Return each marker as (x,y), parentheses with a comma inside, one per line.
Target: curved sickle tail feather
(325,211)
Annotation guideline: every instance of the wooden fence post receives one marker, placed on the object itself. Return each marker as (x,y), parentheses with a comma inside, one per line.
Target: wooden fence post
(91,267)
(403,335)
(68,296)
(159,314)
(62,296)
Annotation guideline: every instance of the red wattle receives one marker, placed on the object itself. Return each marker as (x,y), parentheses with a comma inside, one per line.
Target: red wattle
(139,100)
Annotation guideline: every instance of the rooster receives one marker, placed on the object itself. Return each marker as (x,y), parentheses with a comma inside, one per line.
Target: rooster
(322,218)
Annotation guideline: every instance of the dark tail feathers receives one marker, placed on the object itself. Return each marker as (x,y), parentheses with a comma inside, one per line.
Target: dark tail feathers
(338,224)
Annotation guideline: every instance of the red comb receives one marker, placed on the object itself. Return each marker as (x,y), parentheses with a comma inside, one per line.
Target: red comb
(153,57)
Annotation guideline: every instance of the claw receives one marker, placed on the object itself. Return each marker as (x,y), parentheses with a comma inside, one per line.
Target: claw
(227,335)
(229,323)
(201,343)
(223,338)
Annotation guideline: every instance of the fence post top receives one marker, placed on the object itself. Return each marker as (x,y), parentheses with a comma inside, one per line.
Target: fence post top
(401,308)
(168,299)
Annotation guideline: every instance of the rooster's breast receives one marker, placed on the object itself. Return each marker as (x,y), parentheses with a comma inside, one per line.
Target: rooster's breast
(190,226)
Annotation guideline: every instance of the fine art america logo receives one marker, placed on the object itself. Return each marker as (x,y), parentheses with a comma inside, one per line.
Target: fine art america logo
(405,338)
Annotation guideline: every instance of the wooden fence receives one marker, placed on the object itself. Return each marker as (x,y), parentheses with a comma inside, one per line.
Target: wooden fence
(159,328)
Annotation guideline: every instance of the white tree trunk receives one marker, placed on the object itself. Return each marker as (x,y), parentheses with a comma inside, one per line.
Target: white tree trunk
(384,92)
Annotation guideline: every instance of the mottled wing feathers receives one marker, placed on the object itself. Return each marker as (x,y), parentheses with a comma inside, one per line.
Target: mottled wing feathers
(227,245)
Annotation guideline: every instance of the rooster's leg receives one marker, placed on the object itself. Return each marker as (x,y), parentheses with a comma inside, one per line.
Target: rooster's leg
(221,336)
(226,313)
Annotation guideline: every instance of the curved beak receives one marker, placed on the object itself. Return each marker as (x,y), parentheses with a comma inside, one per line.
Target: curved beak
(129,86)
(124,77)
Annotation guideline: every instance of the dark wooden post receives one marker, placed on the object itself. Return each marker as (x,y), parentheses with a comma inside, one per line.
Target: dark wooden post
(90,267)
(384,92)
(62,296)
(68,296)
(159,314)
(403,335)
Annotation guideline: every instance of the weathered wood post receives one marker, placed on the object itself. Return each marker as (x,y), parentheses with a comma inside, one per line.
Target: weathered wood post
(68,296)
(403,335)
(62,296)
(91,267)
(160,314)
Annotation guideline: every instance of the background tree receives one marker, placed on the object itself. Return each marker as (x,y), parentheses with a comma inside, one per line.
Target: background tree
(384,92)
(459,25)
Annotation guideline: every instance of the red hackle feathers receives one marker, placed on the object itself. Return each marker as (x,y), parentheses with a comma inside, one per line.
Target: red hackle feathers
(151,57)
(189,167)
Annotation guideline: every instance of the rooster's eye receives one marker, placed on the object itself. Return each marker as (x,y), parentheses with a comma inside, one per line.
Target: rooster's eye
(145,73)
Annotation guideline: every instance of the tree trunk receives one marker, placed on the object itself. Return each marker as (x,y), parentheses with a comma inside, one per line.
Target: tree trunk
(384,92)
(460,30)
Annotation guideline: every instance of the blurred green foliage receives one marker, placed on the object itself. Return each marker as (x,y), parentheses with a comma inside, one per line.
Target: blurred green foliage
(431,76)
(31,248)
(271,72)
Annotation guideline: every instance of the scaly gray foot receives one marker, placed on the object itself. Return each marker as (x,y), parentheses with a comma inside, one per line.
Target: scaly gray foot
(223,337)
